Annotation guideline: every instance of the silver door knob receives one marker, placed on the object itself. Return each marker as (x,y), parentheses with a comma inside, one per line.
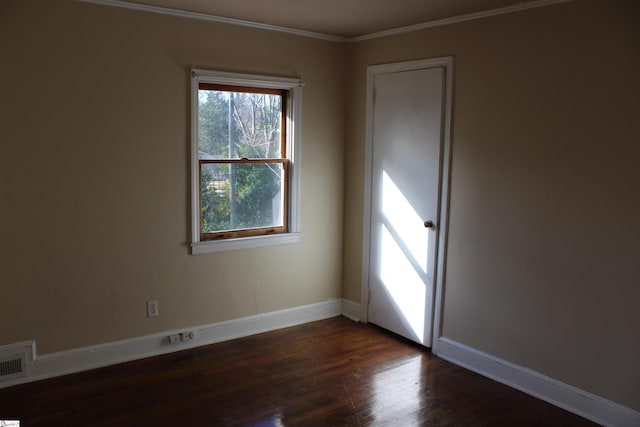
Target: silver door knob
(429,224)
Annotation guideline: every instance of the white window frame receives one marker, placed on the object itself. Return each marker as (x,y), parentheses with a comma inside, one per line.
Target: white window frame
(293,134)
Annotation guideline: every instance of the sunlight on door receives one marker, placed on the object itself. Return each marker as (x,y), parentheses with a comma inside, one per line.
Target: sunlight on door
(404,247)
(405,222)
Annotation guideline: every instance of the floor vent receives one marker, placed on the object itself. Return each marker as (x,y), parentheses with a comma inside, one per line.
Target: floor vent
(15,359)
(12,367)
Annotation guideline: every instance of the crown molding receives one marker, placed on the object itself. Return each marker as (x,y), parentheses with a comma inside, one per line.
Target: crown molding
(456,19)
(213,18)
(321,36)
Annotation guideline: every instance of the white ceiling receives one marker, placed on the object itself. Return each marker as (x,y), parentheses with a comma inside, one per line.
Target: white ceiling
(342,18)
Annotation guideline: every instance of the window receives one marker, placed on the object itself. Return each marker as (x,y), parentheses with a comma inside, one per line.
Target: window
(245,168)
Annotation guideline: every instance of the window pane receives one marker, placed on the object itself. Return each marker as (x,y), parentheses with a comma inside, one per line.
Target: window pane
(241,195)
(238,124)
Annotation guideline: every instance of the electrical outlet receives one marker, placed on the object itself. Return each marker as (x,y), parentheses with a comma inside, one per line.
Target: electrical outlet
(188,336)
(152,308)
(181,337)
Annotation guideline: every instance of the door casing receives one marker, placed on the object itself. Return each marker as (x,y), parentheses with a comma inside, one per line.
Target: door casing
(447,63)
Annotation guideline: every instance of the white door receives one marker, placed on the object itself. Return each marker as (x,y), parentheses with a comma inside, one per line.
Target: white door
(406,175)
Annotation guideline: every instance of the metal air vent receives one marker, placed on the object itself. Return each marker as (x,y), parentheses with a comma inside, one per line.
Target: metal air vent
(15,360)
(13,366)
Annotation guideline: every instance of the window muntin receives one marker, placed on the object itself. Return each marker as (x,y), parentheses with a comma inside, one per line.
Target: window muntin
(242,161)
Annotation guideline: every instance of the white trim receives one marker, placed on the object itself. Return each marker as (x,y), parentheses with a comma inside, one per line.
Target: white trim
(213,246)
(565,396)
(351,310)
(294,154)
(322,36)
(443,231)
(294,136)
(86,358)
(457,19)
(28,348)
(447,63)
(213,18)
(252,80)
(366,211)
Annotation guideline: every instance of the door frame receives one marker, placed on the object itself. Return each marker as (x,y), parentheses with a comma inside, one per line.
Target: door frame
(445,162)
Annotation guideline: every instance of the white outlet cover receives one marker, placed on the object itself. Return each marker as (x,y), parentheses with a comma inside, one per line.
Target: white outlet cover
(152,308)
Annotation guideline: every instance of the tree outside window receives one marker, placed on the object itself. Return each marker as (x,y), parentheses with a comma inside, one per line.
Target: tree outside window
(242,161)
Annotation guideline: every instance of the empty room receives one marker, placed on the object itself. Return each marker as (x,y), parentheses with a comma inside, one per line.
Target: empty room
(297,213)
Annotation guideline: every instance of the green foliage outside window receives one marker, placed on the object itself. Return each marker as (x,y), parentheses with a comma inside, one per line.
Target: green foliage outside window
(234,125)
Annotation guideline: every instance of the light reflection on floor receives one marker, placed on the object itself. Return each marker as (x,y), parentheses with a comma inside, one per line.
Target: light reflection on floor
(275,421)
(397,393)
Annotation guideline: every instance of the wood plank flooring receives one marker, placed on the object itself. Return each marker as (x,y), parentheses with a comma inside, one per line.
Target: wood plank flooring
(333,372)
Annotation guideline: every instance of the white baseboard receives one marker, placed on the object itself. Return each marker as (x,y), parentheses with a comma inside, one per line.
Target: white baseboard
(86,358)
(351,310)
(565,396)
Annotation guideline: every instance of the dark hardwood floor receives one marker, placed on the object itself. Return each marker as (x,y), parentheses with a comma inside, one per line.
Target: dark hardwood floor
(329,373)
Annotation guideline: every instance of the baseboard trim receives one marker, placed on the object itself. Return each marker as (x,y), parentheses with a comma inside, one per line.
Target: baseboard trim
(351,310)
(86,358)
(565,396)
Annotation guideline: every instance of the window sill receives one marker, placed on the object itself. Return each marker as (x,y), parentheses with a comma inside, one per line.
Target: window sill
(213,246)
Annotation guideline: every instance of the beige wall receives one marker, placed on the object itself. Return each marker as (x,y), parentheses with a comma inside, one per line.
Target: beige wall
(543,263)
(95,175)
